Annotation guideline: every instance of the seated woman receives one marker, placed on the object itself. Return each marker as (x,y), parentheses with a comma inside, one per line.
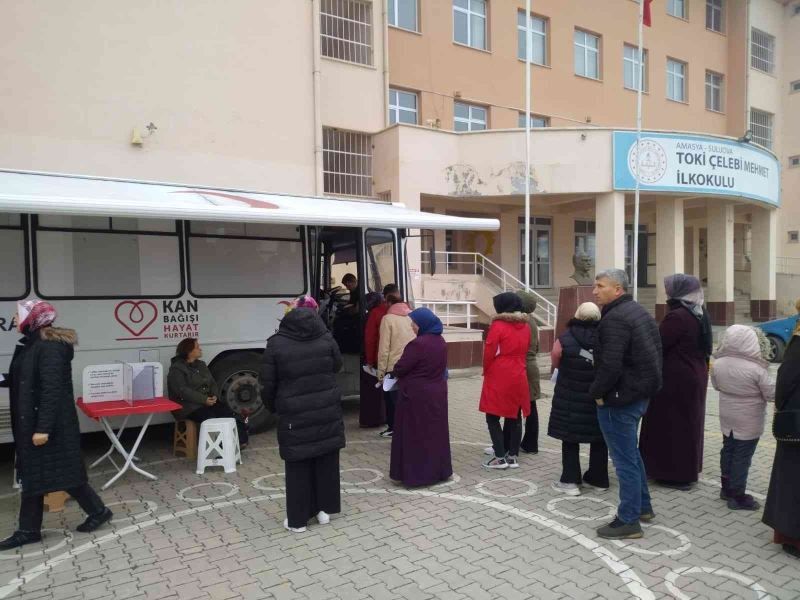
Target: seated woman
(191,384)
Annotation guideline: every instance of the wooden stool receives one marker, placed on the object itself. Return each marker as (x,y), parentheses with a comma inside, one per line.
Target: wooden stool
(185,439)
(54,501)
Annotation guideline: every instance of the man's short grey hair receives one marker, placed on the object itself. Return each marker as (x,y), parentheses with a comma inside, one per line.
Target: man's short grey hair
(618,276)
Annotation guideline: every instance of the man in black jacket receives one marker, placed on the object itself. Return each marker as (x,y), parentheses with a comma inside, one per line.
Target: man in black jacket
(628,374)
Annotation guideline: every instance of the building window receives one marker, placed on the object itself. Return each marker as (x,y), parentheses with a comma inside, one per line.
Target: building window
(794,237)
(403,14)
(469,117)
(402,107)
(714,91)
(761,126)
(538,29)
(536,121)
(346,162)
(587,54)
(762,51)
(794,86)
(346,30)
(469,23)
(676,8)
(676,80)
(794,161)
(796,10)
(715,15)
(585,238)
(631,67)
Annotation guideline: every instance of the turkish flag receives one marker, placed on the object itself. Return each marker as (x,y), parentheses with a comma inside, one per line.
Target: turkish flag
(647,20)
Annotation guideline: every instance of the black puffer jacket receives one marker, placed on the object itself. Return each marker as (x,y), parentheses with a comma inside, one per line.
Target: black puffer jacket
(190,385)
(573,417)
(628,355)
(298,375)
(40,382)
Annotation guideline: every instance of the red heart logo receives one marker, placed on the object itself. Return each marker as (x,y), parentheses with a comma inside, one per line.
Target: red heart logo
(140,315)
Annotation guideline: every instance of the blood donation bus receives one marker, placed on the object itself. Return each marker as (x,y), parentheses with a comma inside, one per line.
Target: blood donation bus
(134,267)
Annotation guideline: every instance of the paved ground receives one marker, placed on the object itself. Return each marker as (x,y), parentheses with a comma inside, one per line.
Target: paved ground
(483,535)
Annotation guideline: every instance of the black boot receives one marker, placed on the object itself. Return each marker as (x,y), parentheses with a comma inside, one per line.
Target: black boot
(20,538)
(725,492)
(95,521)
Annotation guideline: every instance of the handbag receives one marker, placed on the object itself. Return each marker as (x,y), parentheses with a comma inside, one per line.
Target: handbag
(786,426)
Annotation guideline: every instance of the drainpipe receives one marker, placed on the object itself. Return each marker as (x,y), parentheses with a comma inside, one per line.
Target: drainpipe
(747,69)
(316,49)
(385,50)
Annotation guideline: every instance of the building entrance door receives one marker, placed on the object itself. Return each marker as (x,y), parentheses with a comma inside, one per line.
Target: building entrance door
(541,255)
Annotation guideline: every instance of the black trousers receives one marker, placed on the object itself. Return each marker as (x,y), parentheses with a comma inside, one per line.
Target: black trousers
(530,441)
(735,459)
(31,509)
(597,474)
(220,411)
(390,398)
(505,440)
(312,485)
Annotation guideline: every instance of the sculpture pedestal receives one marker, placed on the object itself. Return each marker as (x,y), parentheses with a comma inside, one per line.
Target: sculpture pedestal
(569,299)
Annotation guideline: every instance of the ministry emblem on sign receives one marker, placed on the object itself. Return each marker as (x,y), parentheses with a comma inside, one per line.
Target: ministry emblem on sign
(653,163)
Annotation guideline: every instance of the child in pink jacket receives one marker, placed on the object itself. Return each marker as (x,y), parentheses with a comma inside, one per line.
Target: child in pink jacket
(739,373)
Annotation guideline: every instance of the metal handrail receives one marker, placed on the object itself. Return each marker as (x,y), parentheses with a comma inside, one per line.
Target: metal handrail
(467,304)
(481,265)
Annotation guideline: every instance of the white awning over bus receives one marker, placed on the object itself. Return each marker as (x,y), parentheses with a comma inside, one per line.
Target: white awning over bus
(73,195)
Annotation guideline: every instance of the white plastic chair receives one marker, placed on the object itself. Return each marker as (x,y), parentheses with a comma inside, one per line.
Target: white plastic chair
(218,445)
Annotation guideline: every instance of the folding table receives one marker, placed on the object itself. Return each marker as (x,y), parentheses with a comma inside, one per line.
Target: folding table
(105,411)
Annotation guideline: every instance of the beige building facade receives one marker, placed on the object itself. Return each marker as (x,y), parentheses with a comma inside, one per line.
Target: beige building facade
(421,102)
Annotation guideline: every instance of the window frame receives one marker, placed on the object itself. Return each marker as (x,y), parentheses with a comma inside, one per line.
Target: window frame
(396,108)
(177,233)
(586,50)
(794,236)
(545,35)
(716,7)
(24,222)
(685,15)
(395,255)
(794,161)
(544,118)
(635,61)
(397,12)
(684,77)
(589,224)
(769,51)
(470,119)
(301,240)
(794,86)
(366,182)
(771,127)
(369,26)
(470,13)
(720,88)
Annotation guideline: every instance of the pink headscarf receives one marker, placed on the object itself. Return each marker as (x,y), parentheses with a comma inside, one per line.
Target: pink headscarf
(305,302)
(35,314)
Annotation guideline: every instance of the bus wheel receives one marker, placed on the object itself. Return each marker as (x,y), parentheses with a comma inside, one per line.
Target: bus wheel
(776,348)
(240,390)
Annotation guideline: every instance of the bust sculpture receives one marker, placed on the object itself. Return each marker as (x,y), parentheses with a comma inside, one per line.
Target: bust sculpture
(584,264)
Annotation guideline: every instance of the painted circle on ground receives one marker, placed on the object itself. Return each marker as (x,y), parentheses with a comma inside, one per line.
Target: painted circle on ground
(612,510)
(377,476)
(15,556)
(233,489)
(480,488)
(684,540)
(672,577)
(259,485)
(149,505)
(454,479)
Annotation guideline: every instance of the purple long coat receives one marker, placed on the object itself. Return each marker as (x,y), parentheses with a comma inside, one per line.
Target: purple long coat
(421,440)
(671,441)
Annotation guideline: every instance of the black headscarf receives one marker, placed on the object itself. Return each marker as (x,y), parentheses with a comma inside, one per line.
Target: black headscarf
(687,292)
(507,302)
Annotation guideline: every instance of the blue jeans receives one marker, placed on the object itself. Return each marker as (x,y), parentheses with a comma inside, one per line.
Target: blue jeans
(735,459)
(620,427)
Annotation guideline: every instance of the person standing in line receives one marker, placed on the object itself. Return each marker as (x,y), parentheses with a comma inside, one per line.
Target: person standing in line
(530,441)
(505,390)
(421,440)
(44,423)
(395,333)
(741,377)
(627,376)
(783,497)
(673,430)
(298,375)
(573,417)
(371,407)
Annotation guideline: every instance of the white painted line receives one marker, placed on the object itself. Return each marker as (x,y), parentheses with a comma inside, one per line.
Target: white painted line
(377,476)
(15,555)
(612,509)
(672,577)
(481,488)
(684,540)
(149,505)
(233,489)
(257,483)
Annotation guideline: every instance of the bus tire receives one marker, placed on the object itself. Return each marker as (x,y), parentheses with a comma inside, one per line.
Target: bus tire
(239,388)
(776,348)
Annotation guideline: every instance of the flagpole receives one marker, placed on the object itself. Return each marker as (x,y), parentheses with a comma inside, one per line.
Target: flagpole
(528,51)
(635,249)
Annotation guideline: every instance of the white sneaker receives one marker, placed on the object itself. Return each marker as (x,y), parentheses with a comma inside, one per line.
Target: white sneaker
(488,451)
(495,463)
(570,489)
(512,462)
(292,529)
(323,518)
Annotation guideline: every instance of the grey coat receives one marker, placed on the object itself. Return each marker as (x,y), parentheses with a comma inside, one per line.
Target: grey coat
(190,385)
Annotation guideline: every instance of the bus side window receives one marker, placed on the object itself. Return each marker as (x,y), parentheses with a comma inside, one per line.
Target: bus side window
(381,259)
(15,257)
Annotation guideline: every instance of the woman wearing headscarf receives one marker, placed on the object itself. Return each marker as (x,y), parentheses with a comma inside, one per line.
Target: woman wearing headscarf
(298,375)
(783,498)
(395,333)
(530,441)
(421,440)
(44,422)
(671,441)
(505,392)
(371,404)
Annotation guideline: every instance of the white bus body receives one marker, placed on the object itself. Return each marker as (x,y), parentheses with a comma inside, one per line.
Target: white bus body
(134,267)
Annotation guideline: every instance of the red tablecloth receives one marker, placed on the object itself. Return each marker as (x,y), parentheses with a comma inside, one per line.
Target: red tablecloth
(121,408)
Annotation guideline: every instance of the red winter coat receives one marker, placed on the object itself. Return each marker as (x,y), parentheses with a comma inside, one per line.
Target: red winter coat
(372,333)
(505,379)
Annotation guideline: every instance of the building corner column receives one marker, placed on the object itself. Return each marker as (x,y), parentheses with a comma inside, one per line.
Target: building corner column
(610,228)
(669,247)
(763,292)
(720,301)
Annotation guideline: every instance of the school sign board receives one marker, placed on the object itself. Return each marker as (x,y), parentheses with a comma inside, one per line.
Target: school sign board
(696,164)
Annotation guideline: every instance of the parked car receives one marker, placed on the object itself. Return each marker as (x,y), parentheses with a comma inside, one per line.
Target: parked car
(779,332)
